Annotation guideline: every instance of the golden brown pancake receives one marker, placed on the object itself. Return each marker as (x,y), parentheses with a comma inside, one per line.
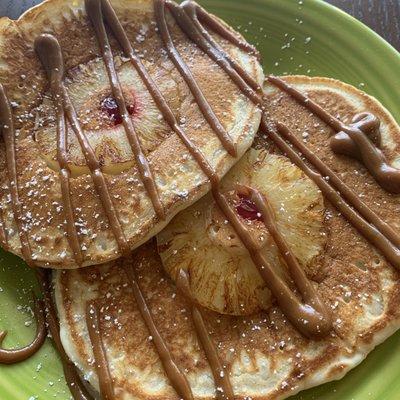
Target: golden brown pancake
(265,357)
(178,179)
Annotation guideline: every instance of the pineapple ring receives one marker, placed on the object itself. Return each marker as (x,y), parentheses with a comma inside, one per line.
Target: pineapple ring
(90,92)
(200,240)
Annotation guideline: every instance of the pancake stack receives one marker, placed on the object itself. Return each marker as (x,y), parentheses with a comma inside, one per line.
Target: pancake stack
(198,232)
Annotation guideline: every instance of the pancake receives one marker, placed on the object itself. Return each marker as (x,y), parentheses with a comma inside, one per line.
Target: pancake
(69,224)
(263,355)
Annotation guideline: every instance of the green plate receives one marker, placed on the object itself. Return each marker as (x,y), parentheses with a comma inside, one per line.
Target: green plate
(295,37)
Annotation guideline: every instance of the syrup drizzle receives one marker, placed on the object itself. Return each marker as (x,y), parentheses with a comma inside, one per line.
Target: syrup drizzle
(50,54)
(221,377)
(100,357)
(177,378)
(122,38)
(13,356)
(364,219)
(341,143)
(372,157)
(93,9)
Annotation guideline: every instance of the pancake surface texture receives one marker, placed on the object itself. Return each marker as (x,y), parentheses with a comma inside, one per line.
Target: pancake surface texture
(265,357)
(178,178)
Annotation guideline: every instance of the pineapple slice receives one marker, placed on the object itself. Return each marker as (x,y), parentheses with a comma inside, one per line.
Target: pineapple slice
(90,92)
(199,240)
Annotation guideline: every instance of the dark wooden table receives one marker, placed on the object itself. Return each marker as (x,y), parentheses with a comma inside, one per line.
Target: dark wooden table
(383,16)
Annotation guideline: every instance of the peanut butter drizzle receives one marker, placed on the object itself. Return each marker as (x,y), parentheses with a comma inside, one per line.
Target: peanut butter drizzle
(221,378)
(316,327)
(190,26)
(314,311)
(99,353)
(352,198)
(311,318)
(184,70)
(380,238)
(341,143)
(309,321)
(8,132)
(205,18)
(13,356)
(122,38)
(94,11)
(176,377)
(55,73)
(199,15)
(363,148)
(50,54)
(74,382)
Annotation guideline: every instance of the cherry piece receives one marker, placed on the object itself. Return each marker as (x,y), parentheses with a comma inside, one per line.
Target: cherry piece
(110,107)
(247,209)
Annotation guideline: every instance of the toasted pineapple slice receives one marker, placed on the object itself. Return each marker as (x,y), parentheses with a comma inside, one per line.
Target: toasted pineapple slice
(89,88)
(201,241)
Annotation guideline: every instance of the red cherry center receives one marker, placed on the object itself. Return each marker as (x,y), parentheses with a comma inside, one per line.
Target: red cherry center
(247,209)
(109,106)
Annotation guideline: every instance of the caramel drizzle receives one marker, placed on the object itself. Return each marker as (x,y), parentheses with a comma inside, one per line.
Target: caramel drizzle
(184,70)
(49,51)
(372,157)
(74,382)
(100,357)
(94,11)
(177,378)
(221,378)
(8,132)
(13,356)
(376,231)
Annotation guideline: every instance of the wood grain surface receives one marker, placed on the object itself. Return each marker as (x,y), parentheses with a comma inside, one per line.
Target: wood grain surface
(383,16)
